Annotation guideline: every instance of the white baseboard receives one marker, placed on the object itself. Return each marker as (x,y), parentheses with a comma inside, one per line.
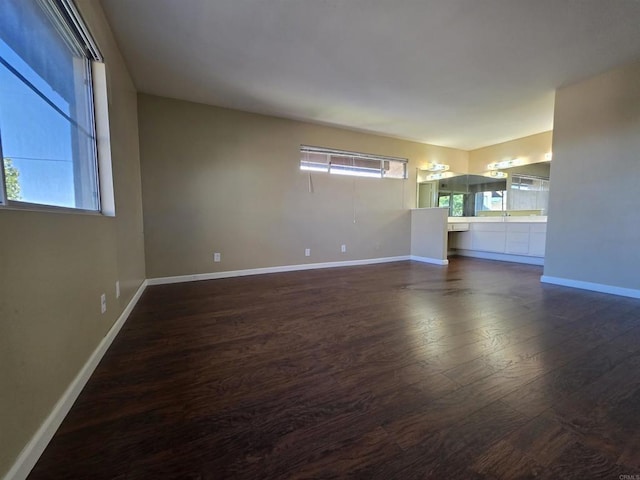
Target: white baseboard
(261,271)
(595,287)
(433,261)
(32,451)
(503,257)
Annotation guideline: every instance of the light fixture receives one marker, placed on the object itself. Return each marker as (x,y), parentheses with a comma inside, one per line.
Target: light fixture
(437,167)
(496,174)
(504,164)
(439,175)
(548,156)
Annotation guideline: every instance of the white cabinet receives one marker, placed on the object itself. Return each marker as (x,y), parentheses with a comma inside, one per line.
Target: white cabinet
(458,227)
(537,239)
(510,238)
(488,237)
(517,238)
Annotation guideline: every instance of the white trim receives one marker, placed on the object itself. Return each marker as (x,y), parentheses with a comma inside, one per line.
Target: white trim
(347,153)
(595,287)
(504,257)
(32,451)
(262,271)
(103,138)
(434,261)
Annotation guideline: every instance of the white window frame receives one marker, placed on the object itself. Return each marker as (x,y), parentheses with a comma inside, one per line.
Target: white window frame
(66,11)
(332,166)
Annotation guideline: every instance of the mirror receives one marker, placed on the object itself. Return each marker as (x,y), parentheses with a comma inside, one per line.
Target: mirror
(525,192)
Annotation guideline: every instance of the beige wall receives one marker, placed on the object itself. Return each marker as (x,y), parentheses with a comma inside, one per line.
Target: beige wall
(53,268)
(218,180)
(593,230)
(529,149)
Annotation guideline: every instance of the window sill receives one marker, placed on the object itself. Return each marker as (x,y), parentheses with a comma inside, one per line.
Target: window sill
(34,207)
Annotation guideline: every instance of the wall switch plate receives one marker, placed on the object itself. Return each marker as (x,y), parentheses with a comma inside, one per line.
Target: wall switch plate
(307,252)
(103,303)
(216,257)
(118,289)
(343,248)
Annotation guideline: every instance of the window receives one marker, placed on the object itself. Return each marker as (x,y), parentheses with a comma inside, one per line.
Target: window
(47,128)
(529,193)
(494,201)
(339,162)
(453,201)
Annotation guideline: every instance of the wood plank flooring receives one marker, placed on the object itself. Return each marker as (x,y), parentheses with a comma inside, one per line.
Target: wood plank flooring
(391,371)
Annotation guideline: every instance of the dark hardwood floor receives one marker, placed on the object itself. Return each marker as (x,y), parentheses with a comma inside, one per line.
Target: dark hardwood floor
(392,371)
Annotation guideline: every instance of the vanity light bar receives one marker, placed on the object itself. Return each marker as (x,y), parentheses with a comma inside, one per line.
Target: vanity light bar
(496,174)
(437,167)
(503,164)
(439,176)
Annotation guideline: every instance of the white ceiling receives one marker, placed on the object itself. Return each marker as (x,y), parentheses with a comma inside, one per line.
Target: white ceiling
(458,73)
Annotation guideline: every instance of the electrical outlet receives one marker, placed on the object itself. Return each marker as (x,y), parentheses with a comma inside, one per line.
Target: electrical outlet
(103,303)
(216,257)
(343,249)
(118,289)
(307,252)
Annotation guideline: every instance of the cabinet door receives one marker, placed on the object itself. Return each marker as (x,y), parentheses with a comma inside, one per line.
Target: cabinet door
(489,237)
(518,238)
(538,239)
